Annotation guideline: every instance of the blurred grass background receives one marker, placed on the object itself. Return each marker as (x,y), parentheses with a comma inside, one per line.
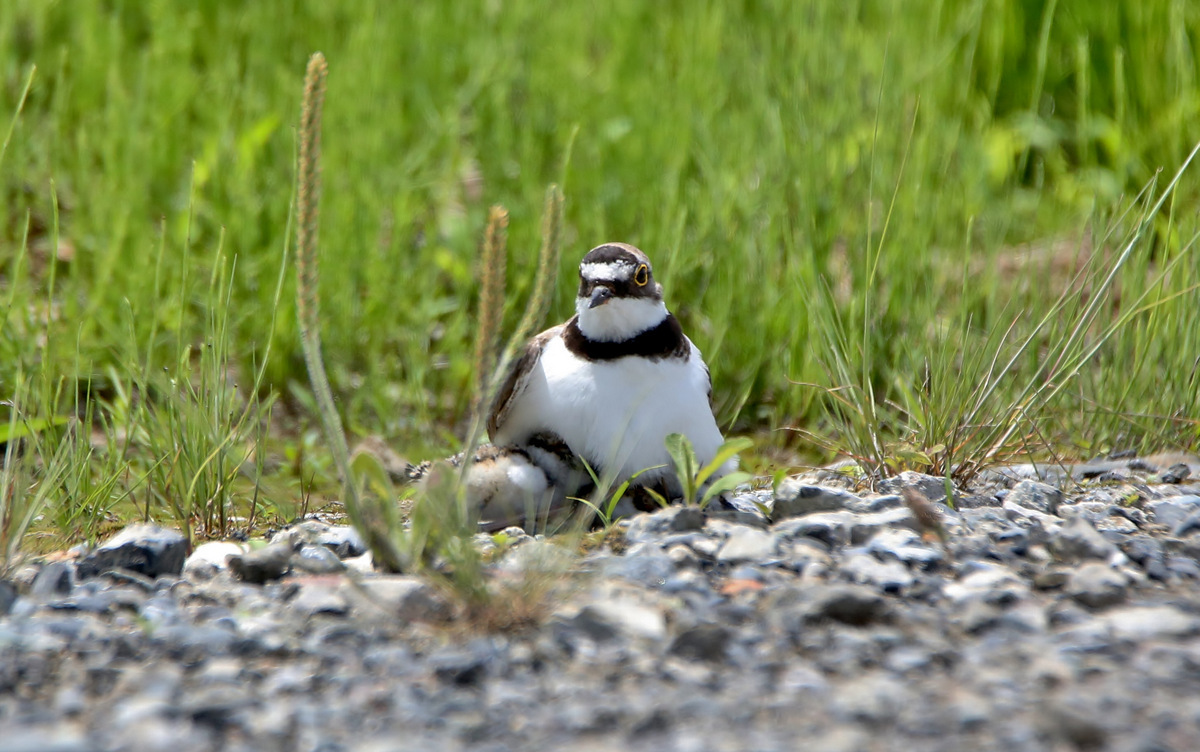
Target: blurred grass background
(920,175)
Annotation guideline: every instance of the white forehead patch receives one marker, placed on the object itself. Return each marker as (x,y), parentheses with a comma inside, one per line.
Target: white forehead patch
(610,271)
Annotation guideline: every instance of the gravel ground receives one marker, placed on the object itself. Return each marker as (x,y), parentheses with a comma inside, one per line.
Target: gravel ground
(1047,621)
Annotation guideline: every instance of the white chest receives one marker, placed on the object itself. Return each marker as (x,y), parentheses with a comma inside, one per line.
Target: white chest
(617,413)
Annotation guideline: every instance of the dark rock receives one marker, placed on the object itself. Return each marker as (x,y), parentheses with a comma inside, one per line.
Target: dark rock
(847,604)
(8,596)
(262,565)
(217,708)
(460,667)
(144,548)
(686,519)
(1176,473)
(1083,728)
(704,642)
(657,721)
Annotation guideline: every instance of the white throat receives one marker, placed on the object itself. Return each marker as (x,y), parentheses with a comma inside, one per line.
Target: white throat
(620,318)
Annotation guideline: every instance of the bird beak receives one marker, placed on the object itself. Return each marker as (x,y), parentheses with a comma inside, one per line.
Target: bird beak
(600,296)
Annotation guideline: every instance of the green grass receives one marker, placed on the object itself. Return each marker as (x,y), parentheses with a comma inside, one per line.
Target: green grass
(880,198)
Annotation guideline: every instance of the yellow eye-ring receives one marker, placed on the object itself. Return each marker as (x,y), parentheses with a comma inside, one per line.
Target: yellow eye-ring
(642,275)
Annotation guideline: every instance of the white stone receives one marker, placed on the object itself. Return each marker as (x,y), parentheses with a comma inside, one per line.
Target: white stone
(747,544)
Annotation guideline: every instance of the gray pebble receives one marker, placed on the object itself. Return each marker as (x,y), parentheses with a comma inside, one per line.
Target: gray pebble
(845,629)
(405,597)
(888,576)
(1172,510)
(1187,525)
(320,598)
(676,519)
(1097,585)
(616,618)
(1039,497)
(903,545)
(646,568)
(931,487)
(1077,540)
(54,582)
(316,559)
(747,544)
(46,740)
(831,528)
(1142,623)
(794,498)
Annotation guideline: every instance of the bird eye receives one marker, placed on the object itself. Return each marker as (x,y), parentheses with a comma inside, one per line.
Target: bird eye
(642,275)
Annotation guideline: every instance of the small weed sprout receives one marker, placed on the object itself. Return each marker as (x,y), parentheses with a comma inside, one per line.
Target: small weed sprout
(439,539)
(692,478)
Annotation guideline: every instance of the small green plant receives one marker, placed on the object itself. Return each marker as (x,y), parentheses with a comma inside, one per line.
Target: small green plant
(439,538)
(692,477)
(604,510)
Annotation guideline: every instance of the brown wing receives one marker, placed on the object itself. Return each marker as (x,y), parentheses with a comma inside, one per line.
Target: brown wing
(517,378)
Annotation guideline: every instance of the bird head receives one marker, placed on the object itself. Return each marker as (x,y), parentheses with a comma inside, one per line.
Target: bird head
(618,297)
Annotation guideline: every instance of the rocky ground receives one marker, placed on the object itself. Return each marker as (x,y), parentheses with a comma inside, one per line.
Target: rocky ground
(1046,621)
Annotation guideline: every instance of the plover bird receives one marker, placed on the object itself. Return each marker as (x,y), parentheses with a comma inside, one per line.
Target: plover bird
(615,380)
